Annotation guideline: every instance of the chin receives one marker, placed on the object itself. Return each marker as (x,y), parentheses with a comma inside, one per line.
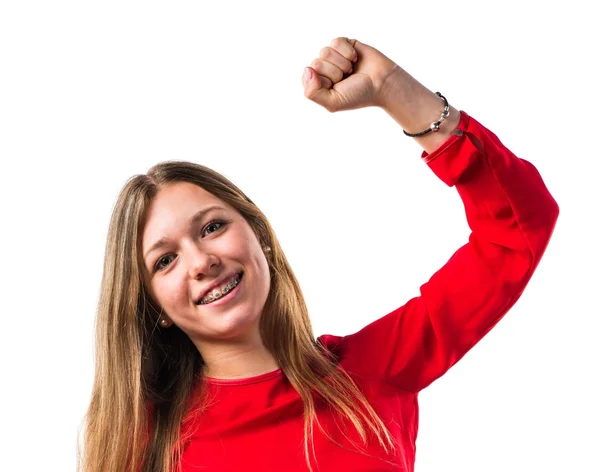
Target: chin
(232,326)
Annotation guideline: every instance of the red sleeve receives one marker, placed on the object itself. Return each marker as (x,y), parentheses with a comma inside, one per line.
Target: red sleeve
(512,216)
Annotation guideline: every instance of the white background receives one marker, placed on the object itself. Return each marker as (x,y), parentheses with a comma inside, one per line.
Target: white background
(92,93)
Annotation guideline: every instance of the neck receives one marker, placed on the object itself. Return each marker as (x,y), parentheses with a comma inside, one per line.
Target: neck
(236,360)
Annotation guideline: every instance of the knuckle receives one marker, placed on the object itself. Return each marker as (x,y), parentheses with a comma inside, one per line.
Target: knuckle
(338,42)
(325,52)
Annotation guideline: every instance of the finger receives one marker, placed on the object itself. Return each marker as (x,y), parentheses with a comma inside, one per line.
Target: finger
(319,89)
(325,82)
(327,69)
(321,81)
(345,47)
(313,81)
(332,56)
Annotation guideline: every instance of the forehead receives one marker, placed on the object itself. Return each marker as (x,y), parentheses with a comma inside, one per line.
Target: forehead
(172,208)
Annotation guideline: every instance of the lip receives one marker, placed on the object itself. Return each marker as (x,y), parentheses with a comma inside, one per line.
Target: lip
(216,284)
(231,297)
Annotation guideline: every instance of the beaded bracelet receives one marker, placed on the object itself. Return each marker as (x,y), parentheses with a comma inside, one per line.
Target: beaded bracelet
(434,126)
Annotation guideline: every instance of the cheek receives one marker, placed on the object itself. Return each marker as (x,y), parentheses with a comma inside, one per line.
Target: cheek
(168,293)
(262,267)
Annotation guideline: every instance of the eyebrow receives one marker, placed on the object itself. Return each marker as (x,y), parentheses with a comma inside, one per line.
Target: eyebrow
(193,221)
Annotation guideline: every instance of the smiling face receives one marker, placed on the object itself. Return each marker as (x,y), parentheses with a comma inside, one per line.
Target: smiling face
(203,239)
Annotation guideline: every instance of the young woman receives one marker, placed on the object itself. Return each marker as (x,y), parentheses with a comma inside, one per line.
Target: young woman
(206,360)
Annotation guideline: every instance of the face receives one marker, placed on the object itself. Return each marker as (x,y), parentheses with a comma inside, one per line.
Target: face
(197,250)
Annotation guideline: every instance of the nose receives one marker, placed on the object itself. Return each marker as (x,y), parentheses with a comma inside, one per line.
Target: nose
(202,263)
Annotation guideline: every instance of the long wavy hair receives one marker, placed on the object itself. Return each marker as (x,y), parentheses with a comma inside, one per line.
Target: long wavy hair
(145,377)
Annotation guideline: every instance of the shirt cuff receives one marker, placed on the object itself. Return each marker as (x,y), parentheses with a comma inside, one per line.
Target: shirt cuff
(450,160)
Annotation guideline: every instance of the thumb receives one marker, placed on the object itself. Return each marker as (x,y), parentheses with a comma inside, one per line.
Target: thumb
(319,89)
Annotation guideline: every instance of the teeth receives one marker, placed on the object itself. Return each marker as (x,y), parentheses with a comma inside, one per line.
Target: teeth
(220,292)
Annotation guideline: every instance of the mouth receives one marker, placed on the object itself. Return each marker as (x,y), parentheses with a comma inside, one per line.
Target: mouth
(224,292)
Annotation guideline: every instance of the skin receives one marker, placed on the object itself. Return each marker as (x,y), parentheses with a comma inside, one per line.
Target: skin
(347,75)
(197,255)
(375,80)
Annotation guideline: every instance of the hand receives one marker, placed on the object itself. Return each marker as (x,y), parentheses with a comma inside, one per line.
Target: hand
(348,75)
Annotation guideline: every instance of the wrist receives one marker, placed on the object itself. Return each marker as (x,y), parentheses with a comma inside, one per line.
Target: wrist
(409,102)
(414,107)
(432,140)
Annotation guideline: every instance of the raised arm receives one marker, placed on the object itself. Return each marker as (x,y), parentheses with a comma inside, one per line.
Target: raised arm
(509,210)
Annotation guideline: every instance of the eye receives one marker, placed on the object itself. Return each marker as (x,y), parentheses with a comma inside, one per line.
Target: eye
(158,265)
(216,223)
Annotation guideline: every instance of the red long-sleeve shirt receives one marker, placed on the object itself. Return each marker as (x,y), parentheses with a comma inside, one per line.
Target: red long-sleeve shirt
(256,424)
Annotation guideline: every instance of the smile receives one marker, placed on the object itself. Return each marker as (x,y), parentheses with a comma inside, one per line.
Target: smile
(221,292)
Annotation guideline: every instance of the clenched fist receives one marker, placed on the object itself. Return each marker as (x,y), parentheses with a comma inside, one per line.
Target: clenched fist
(347,75)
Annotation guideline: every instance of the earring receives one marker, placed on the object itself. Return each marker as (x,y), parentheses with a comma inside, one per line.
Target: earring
(164,322)
(267,249)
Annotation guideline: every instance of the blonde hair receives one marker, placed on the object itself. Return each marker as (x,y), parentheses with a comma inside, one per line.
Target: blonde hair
(145,377)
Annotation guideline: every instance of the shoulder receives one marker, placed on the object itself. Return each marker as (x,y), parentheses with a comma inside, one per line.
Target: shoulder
(337,346)
(331,343)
